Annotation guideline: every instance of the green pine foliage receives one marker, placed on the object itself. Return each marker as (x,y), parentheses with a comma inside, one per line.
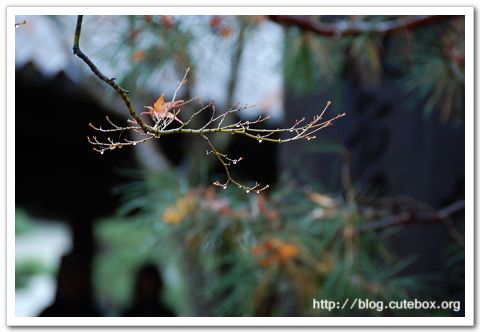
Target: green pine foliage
(226,253)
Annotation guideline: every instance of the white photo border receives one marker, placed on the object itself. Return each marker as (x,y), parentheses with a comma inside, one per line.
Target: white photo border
(468,320)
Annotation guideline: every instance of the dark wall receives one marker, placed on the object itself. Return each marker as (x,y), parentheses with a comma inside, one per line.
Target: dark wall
(58,175)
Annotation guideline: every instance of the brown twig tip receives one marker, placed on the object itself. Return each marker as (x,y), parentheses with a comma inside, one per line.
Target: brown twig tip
(167,119)
(18,24)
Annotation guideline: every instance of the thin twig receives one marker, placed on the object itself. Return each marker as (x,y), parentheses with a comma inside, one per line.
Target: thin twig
(221,158)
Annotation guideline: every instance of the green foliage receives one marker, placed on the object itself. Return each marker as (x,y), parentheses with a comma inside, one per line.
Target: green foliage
(311,61)
(22,221)
(455,261)
(24,270)
(225,253)
(27,268)
(365,53)
(433,73)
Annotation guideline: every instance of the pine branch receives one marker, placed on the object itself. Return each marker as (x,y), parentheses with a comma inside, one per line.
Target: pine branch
(354,28)
(414,217)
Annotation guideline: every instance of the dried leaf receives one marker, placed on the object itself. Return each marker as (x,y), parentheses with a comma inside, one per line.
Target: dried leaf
(322,200)
(168,21)
(138,56)
(158,105)
(226,32)
(215,22)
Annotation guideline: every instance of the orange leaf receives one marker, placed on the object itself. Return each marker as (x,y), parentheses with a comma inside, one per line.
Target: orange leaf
(158,105)
(172,215)
(287,251)
(226,31)
(215,22)
(168,21)
(267,261)
(138,56)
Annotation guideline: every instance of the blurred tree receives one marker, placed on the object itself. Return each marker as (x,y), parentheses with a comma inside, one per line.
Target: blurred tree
(250,260)
(224,253)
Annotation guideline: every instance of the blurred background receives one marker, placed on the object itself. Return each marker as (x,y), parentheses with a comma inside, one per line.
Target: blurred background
(372,208)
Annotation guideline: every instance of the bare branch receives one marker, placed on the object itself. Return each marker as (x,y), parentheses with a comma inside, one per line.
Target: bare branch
(166,120)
